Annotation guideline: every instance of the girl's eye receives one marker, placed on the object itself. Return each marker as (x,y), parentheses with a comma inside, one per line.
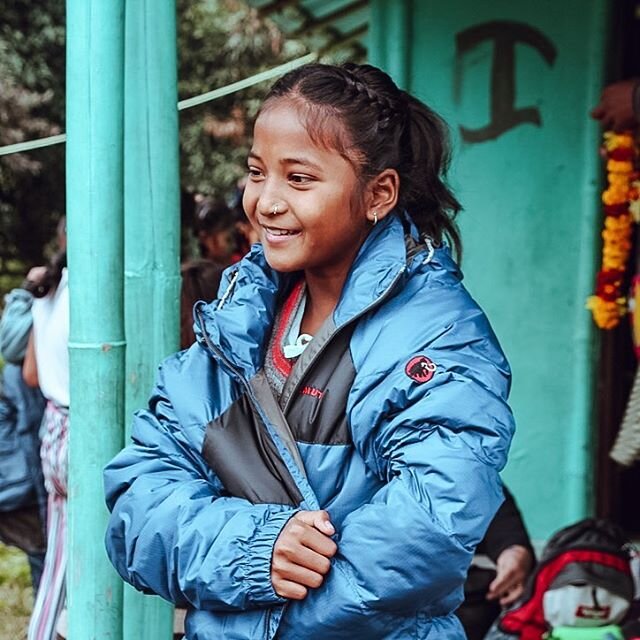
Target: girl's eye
(300,179)
(254,173)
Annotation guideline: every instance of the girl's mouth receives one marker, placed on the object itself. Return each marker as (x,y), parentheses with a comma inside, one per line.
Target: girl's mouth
(276,235)
(279,232)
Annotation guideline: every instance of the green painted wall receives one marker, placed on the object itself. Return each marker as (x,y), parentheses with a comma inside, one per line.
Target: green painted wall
(530,228)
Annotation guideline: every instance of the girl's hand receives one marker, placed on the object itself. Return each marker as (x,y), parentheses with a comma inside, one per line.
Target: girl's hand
(301,554)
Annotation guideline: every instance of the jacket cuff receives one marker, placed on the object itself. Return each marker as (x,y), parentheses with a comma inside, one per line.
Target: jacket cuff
(259,586)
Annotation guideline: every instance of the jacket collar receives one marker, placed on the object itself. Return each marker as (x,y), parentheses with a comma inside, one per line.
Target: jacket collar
(238,329)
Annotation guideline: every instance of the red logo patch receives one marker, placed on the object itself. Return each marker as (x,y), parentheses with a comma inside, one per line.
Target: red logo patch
(420,369)
(312,391)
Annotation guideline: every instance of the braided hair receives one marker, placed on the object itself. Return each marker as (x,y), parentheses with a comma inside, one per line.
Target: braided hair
(360,112)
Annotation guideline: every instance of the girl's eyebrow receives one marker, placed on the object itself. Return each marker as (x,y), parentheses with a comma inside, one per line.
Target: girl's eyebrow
(303,161)
(285,161)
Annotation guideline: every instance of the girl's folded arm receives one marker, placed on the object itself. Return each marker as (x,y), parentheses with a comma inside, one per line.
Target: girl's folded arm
(173,533)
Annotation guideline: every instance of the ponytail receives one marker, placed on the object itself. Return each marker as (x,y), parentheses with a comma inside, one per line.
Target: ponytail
(424,192)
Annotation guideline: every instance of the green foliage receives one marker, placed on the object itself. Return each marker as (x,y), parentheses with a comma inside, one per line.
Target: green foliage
(16,595)
(220,42)
(31,106)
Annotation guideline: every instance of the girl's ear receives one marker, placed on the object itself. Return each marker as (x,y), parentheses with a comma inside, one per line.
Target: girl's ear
(382,194)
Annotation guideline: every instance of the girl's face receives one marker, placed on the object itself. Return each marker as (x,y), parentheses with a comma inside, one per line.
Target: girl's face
(320,224)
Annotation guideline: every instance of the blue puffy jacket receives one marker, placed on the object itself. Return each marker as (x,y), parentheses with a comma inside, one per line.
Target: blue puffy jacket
(394,419)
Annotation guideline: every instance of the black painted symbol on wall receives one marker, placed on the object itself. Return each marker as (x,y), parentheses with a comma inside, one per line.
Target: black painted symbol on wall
(505,36)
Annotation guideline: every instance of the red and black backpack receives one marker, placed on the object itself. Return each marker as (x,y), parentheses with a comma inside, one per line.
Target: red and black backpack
(583,579)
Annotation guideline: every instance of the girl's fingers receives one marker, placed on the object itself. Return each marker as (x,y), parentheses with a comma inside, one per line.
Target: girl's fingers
(302,556)
(300,575)
(318,519)
(290,590)
(319,542)
(300,530)
(322,523)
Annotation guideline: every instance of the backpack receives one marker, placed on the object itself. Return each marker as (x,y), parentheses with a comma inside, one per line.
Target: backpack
(583,580)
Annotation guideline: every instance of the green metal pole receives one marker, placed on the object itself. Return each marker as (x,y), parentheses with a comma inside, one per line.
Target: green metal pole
(390,38)
(95,49)
(152,236)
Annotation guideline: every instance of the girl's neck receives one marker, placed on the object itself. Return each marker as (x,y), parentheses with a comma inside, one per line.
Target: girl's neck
(323,294)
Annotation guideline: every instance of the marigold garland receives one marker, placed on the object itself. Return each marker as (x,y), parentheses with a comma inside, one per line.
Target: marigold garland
(621,201)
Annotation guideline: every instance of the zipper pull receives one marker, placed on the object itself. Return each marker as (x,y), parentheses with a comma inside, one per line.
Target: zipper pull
(229,290)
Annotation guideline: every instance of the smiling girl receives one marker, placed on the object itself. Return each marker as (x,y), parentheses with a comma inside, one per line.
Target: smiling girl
(323,461)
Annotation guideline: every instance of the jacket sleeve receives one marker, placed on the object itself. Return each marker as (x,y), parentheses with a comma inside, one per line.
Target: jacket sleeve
(172,531)
(438,447)
(15,325)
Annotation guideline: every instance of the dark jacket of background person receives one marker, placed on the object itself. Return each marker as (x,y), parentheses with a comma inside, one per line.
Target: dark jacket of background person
(507,529)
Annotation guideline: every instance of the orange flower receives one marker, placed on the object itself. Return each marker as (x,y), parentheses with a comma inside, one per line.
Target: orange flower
(606,314)
(622,191)
(619,166)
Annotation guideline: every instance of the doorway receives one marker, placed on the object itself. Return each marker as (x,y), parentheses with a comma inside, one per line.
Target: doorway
(618,488)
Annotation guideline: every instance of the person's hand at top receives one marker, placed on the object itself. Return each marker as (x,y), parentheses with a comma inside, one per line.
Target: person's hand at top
(512,568)
(302,553)
(619,106)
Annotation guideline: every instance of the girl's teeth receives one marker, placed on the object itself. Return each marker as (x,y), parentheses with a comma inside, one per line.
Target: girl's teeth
(280,232)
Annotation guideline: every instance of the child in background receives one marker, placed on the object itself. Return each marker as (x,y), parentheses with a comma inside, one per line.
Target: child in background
(214,228)
(323,462)
(200,281)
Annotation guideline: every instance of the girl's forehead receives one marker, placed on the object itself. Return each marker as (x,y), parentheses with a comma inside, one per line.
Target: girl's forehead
(295,122)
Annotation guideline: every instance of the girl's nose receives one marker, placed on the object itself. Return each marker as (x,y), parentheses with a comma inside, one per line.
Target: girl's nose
(272,207)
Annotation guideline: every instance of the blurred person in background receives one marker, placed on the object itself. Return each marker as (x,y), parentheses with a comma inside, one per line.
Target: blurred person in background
(47,364)
(200,281)
(22,493)
(619,105)
(245,234)
(502,562)
(214,228)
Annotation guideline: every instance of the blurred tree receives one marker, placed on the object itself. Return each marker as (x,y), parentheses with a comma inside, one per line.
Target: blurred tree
(219,42)
(31,106)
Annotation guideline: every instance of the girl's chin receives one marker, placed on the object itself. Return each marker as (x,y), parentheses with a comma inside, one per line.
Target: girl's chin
(283,263)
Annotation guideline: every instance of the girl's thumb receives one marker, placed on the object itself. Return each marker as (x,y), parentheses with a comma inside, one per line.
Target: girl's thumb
(323,523)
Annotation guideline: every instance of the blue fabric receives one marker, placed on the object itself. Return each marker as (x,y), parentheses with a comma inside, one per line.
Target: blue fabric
(410,499)
(21,409)
(15,325)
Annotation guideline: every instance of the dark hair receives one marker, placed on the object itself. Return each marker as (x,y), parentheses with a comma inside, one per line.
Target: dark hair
(359,111)
(50,280)
(200,281)
(213,215)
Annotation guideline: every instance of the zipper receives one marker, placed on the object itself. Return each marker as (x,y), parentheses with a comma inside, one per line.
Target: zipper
(217,353)
(229,289)
(379,300)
